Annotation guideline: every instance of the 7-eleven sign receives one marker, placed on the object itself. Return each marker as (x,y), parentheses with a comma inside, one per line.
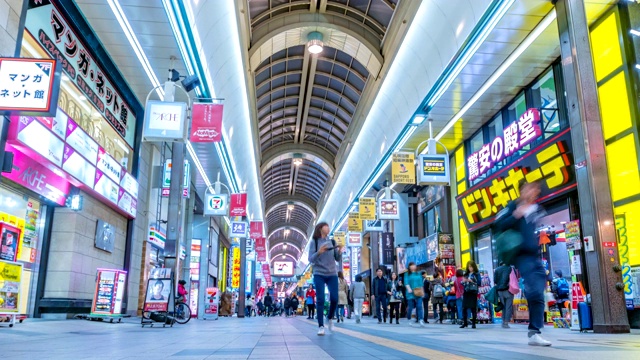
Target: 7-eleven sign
(216,205)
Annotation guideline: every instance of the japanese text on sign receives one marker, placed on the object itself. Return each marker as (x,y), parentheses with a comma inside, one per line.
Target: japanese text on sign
(26,84)
(367,208)
(515,136)
(402,169)
(551,165)
(235,277)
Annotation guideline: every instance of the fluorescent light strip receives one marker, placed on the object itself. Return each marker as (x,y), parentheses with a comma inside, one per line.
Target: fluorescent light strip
(133,41)
(542,26)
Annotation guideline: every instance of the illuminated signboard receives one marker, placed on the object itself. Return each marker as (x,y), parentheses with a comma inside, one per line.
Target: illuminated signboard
(283,268)
(433,169)
(354,239)
(550,163)
(235,268)
(515,136)
(29,86)
(164,121)
(388,209)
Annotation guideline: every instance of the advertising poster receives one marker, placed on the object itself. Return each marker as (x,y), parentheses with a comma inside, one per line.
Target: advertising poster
(388,209)
(402,169)
(387,248)
(635,278)
(367,208)
(255,229)
(10,277)
(9,237)
(354,222)
(402,260)
(238,205)
(447,249)
(158,292)
(417,253)
(340,237)
(283,268)
(432,247)
(206,123)
(105,291)
(572,235)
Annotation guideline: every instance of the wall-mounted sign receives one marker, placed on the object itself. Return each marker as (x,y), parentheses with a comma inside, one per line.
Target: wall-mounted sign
(433,169)
(186,179)
(105,236)
(29,86)
(39,139)
(78,167)
(551,163)
(238,229)
(387,248)
(354,239)
(157,236)
(61,41)
(388,209)
(105,187)
(216,204)
(81,142)
(127,202)
(354,222)
(447,248)
(283,268)
(402,169)
(206,123)
(129,184)
(164,121)
(340,237)
(515,136)
(109,166)
(255,229)
(238,205)
(572,235)
(367,208)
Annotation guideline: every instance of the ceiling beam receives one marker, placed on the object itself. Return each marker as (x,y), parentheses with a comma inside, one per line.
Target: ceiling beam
(304,82)
(285,241)
(283,226)
(280,256)
(311,152)
(297,200)
(307,96)
(323,6)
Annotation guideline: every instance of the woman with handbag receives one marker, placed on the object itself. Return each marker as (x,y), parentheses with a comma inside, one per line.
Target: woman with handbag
(394,289)
(470,296)
(415,292)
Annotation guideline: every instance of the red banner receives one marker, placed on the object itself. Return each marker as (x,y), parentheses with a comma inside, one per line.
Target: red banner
(261,256)
(267,273)
(238,205)
(206,123)
(255,229)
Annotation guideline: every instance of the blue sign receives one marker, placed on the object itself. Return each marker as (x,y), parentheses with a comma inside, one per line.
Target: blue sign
(432,246)
(238,229)
(416,253)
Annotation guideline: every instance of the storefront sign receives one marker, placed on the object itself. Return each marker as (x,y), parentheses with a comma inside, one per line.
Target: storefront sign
(432,247)
(255,229)
(107,188)
(238,229)
(354,239)
(107,299)
(402,169)
(340,237)
(388,209)
(157,237)
(387,248)
(433,169)
(572,235)
(447,249)
(10,278)
(516,136)
(109,166)
(216,204)
(238,205)
(367,208)
(79,141)
(29,86)
(164,121)
(206,123)
(186,179)
(283,268)
(550,163)
(38,138)
(60,40)
(416,253)
(129,184)
(78,167)
(235,275)
(354,222)
(211,301)
(37,177)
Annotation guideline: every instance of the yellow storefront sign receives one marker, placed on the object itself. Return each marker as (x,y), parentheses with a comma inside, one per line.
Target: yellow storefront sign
(367,208)
(355,224)
(339,237)
(10,277)
(403,170)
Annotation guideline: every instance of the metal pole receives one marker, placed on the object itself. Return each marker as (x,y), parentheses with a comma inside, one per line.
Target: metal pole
(596,208)
(174,212)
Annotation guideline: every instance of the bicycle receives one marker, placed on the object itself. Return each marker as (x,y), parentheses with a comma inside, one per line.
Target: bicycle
(182,312)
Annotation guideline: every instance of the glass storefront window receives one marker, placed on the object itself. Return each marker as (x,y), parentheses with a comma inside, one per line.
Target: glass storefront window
(544,97)
(476,142)
(484,253)
(517,108)
(430,221)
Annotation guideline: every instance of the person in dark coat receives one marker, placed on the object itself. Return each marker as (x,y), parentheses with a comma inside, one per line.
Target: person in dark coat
(470,295)
(379,294)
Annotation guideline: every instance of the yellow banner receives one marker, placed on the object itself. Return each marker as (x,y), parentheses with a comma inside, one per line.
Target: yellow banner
(355,224)
(403,171)
(367,208)
(339,237)
(10,277)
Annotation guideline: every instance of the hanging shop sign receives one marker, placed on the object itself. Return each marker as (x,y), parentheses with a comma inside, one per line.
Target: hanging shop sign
(517,135)
(238,205)
(367,208)
(572,235)
(403,170)
(10,278)
(354,239)
(387,248)
(235,275)
(238,229)
(433,169)
(157,236)
(216,204)
(164,121)
(355,224)
(261,249)
(283,268)
(29,86)
(373,225)
(255,229)
(186,179)
(206,123)
(340,237)
(49,27)
(551,163)
(388,209)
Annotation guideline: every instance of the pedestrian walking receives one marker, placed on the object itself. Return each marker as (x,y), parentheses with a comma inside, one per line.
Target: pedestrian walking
(415,291)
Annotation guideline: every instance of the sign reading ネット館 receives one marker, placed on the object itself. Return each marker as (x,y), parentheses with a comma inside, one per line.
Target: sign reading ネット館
(551,163)
(515,136)
(29,86)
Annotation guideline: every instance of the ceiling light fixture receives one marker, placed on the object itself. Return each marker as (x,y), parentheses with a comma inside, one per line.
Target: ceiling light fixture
(285,246)
(315,44)
(297,159)
(290,206)
(418,119)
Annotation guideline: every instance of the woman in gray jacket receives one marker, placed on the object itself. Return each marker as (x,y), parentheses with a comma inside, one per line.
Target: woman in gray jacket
(357,294)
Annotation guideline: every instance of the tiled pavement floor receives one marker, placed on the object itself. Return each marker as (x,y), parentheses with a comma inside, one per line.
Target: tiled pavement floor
(295,338)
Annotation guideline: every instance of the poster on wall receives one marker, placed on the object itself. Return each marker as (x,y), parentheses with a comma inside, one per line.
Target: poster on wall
(447,249)
(9,237)
(387,248)
(388,209)
(10,278)
(402,260)
(572,235)
(432,247)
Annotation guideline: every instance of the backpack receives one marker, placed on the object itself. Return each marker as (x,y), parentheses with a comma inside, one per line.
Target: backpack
(438,291)
(563,288)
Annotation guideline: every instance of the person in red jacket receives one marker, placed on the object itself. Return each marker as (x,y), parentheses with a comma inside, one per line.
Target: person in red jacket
(182,291)
(310,301)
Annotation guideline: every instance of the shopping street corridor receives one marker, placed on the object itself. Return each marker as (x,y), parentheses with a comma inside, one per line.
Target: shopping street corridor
(295,338)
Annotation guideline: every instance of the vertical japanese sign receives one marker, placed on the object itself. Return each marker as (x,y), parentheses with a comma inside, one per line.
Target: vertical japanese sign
(235,275)
(238,205)
(29,86)
(206,123)
(402,169)
(367,208)
(255,229)
(387,248)
(355,224)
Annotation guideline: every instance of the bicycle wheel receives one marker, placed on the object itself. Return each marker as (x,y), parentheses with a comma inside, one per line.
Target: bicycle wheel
(182,313)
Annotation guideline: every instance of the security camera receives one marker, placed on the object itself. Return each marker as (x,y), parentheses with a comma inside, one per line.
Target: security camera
(190,82)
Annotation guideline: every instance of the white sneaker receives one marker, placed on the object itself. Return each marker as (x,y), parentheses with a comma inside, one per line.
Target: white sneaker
(321,331)
(330,325)
(538,340)
(421,323)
